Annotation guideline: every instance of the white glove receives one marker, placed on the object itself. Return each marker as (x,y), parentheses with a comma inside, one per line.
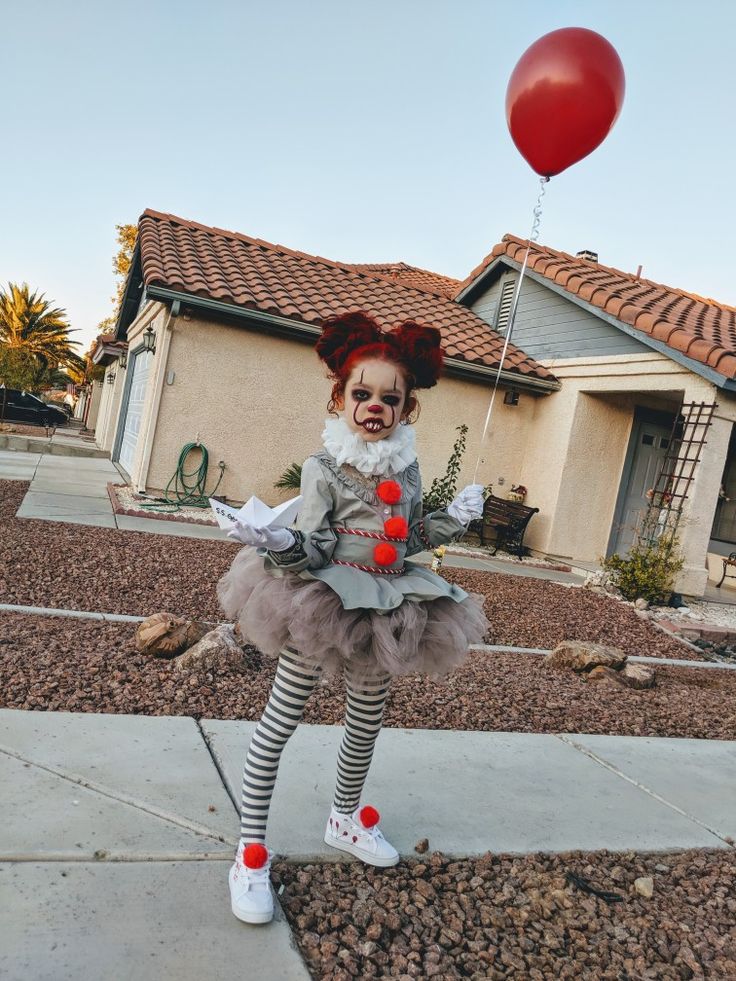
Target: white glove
(468,504)
(274,539)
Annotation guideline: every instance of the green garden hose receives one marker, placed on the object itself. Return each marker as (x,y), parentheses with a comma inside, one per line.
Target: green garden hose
(185,493)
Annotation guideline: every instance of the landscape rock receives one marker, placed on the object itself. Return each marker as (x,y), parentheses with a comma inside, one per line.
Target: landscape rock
(638,676)
(584,655)
(604,675)
(166,635)
(642,604)
(218,648)
(644,886)
(601,582)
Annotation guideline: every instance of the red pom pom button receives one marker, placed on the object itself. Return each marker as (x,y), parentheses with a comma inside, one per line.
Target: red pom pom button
(369,816)
(255,855)
(385,554)
(396,527)
(389,491)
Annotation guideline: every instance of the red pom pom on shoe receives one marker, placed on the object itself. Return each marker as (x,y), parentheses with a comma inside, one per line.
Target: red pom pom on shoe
(255,855)
(396,527)
(389,491)
(385,553)
(369,816)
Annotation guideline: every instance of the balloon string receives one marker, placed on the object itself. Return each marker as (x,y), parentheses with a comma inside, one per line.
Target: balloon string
(533,236)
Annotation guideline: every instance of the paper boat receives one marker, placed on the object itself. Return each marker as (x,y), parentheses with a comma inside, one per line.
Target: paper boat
(257,514)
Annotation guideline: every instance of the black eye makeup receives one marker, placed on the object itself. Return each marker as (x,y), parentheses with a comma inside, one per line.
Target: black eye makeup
(360,394)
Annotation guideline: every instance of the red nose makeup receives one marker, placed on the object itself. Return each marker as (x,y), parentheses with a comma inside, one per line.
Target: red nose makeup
(375,408)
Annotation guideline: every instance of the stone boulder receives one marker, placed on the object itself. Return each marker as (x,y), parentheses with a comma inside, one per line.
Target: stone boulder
(583,655)
(638,676)
(166,635)
(606,676)
(601,582)
(218,648)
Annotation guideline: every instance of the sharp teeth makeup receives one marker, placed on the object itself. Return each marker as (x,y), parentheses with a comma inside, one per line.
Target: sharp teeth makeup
(374,399)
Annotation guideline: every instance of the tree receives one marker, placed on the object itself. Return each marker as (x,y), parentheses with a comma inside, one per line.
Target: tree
(127,236)
(34,338)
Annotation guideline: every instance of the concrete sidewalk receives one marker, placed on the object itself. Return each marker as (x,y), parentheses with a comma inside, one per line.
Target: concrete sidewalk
(119,830)
(74,490)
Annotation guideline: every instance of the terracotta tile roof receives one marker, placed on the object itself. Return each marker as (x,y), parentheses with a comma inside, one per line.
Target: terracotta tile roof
(232,268)
(402,272)
(700,328)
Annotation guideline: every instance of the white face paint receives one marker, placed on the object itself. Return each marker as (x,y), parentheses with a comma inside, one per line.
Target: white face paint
(374,399)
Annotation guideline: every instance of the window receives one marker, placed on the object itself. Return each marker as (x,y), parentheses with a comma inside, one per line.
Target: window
(505,304)
(647,439)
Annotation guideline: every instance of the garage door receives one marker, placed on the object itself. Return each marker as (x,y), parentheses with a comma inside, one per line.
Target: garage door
(136,399)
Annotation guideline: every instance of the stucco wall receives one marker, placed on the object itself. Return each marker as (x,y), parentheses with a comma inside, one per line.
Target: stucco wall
(577,446)
(259,402)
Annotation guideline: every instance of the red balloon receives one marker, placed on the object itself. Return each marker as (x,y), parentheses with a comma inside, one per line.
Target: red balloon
(563,98)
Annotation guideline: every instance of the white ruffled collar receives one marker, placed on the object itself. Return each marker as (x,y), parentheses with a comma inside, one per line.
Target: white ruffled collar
(394,453)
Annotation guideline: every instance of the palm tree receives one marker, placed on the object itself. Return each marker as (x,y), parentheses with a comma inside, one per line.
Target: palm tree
(34,338)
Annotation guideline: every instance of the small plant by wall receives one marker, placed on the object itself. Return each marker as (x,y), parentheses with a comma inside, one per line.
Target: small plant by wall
(649,570)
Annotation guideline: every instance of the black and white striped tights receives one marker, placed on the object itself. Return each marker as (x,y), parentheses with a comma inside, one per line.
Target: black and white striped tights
(293,684)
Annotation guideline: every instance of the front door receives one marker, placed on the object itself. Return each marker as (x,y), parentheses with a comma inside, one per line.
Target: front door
(650,444)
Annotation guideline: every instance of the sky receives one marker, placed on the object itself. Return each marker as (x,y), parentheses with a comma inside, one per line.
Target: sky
(364,132)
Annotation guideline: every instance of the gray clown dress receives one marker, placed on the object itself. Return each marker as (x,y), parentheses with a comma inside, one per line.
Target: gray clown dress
(400,620)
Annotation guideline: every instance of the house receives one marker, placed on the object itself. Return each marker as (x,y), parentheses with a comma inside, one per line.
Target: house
(647,373)
(613,377)
(233,322)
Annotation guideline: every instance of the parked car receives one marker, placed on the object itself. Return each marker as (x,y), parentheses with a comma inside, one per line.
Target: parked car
(17,406)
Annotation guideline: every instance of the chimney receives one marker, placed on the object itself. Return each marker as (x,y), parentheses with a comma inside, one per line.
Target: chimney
(638,272)
(587,254)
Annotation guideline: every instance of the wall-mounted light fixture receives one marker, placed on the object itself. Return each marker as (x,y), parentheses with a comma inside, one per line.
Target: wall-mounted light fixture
(111,378)
(123,360)
(511,397)
(149,340)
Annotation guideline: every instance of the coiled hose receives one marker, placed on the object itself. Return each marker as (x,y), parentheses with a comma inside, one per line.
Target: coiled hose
(187,493)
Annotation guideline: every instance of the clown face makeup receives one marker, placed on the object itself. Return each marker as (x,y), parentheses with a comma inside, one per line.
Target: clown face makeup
(374,399)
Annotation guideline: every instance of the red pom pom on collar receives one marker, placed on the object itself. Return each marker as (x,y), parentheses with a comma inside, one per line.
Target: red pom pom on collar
(389,491)
(368,816)
(255,855)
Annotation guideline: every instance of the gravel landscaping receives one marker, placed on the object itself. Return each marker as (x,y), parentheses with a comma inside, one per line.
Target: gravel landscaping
(48,563)
(500,917)
(59,664)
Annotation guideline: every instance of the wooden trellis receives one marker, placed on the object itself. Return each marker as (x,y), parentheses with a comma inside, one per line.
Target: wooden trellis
(672,485)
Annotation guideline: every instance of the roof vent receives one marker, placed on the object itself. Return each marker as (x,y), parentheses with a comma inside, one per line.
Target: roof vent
(587,254)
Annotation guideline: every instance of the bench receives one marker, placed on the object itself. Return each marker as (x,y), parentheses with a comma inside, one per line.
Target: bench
(506,521)
(728,563)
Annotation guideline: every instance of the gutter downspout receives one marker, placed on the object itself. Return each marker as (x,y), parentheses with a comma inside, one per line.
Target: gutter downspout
(160,374)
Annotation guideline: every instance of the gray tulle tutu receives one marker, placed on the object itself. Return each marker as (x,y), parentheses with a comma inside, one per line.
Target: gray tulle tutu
(419,636)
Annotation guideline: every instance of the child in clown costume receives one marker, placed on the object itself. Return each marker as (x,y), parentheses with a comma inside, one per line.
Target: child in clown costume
(336,592)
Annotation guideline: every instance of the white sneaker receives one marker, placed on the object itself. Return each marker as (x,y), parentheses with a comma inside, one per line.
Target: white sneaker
(360,835)
(250,885)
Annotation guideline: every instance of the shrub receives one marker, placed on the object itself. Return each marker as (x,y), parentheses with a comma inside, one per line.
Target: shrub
(291,478)
(442,489)
(649,570)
